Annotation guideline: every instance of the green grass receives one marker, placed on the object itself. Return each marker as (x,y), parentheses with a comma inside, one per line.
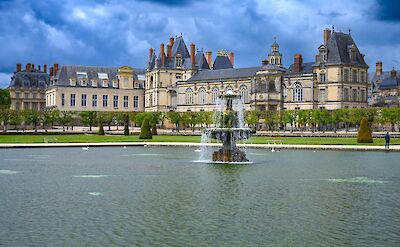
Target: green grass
(173,138)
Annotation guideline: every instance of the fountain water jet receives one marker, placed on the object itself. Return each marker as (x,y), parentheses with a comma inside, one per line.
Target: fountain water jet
(229,128)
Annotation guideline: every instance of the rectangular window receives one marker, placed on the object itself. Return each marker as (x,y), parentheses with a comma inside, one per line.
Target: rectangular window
(126,82)
(346,75)
(322,95)
(354,76)
(322,77)
(94,83)
(126,101)
(115,83)
(62,99)
(105,100)
(26,105)
(72,99)
(115,101)
(94,100)
(16,105)
(83,101)
(26,95)
(135,101)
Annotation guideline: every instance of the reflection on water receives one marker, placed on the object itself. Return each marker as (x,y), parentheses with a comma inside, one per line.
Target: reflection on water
(160,197)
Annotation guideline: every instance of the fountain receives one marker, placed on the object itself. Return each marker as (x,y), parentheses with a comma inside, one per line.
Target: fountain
(229,128)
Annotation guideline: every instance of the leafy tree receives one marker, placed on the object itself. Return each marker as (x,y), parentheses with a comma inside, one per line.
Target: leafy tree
(194,118)
(253,117)
(271,119)
(154,119)
(139,117)
(288,117)
(16,118)
(325,117)
(391,116)
(5,115)
(108,118)
(145,132)
(364,132)
(175,118)
(126,124)
(33,117)
(88,118)
(65,118)
(5,99)
(101,129)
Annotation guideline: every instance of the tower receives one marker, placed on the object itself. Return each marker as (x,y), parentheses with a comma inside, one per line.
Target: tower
(275,57)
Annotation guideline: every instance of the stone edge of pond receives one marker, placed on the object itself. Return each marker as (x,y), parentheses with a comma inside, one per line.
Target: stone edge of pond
(395,148)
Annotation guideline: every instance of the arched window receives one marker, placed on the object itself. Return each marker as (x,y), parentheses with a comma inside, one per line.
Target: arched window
(271,86)
(189,96)
(202,96)
(214,95)
(228,88)
(244,94)
(298,92)
(151,100)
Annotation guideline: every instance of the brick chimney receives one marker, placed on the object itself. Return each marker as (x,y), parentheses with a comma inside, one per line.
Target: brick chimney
(298,61)
(28,67)
(18,67)
(209,58)
(327,35)
(151,50)
(55,69)
(171,41)
(162,54)
(169,51)
(51,71)
(39,67)
(393,73)
(378,68)
(45,68)
(192,54)
(231,57)
(33,67)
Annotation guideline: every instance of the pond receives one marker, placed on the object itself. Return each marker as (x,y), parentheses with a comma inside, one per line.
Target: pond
(160,196)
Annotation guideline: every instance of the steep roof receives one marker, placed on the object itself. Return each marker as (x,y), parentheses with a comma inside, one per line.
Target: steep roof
(35,78)
(222,74)
(391,82)
(222,62)
(201,61)
(338,50)
(306,68)
(179,47)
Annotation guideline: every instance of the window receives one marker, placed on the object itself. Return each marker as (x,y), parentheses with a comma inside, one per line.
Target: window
(178,60)
(151,100)
(115,101)
(354,95)
(94,100)
(26,95)
(362,77)
(229,89)
(72,82)
(115,83)
(362,94)
(105,100)
(244,95)
(354,76)
(214,95)
(322,95)
(72,99)
(94,83)
(62,99)
(105,83)
(126,101)
(298,92)
(178,76)
(34,95)
(271,86)
(202,96)
(135,101)
(126,82)
(346,75)
(17,106)
(26,105)
(322,77)
(83,100)
(346,94)
(17,95)
(189,96)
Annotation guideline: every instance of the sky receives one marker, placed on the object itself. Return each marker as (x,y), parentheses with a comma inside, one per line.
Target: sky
(117,32)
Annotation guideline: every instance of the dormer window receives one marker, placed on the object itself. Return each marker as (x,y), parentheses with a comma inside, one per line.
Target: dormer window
(82,78)
(115,83)
(178,60)
(105,83)
(94,83)
(72,82)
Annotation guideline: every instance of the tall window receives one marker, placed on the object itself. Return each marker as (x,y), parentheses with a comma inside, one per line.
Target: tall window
(189,96)
(151,100)
(271,86)
(126,81)
(354,75)
(298,92)
(202,96)
(62,99)
(362,77)
(244,95)
(72,99)
(214,95)
(126,101)
(94,100)
(322,95)
(346,94)
(135,101)
(354,96)
(322,77)
(346,75)
(178,60)
(105,100)
(83,100)
(228,88)
(115,101)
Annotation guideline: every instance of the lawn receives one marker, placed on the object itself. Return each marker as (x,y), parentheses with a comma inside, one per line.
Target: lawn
(174,138)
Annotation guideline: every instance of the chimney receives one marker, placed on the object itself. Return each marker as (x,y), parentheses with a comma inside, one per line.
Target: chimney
(317,58)
(162,54)
(378,68)
(33,67)
(393,73)
(55,69)
(45,68)
(298,61)
(192,54)
(51,71)
(18,67)
(231,57)
(28,67)
(169,51)
(171,41)
(151,50)
(209,58)
(327,35)
(39,67)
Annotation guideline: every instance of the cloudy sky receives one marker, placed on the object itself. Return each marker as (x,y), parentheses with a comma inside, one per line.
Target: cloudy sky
(117,32)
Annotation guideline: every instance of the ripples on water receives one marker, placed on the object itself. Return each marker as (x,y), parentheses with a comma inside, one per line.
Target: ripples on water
(121,197)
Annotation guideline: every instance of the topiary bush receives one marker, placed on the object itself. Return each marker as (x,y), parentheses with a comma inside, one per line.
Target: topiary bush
(364,132)
(154,129)
(126,130)
(101,129)
(145,132)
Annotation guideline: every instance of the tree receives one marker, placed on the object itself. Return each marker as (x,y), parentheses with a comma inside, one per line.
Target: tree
(16,118)
(100,120)
(145,132)
(175,118)
(101,129)
(364,132)
(65,118)
(88,118)
(139,117)
(154,119)
(126,124)
(288,117)
(391,116)
(271,119)
(194,118)
(325,118)
(185,119)
(5,99)
(5,115)
(33,117)
(108,118)
(252,118)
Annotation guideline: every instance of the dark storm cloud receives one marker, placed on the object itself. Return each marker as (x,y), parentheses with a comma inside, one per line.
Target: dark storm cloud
(389,10)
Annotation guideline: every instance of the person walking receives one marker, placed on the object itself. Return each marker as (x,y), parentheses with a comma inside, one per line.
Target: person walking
(387,140)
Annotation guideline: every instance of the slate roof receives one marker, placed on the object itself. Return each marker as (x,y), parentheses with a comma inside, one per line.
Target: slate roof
(223,74)
(67,72)
(222,62)
(201,61)
(391,82)
(180,47)
(338,50)
(306,68)
(35,78)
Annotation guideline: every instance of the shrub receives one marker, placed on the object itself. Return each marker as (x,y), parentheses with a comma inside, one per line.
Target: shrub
(101,129)
(364,132)
(126,130)
(154,129)
(145,132)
